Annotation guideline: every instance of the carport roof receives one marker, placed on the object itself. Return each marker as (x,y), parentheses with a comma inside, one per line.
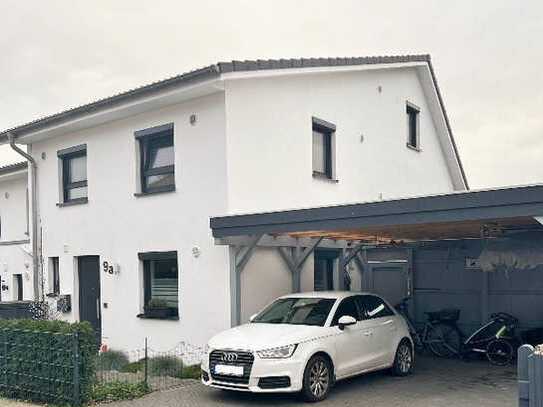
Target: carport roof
(435,217)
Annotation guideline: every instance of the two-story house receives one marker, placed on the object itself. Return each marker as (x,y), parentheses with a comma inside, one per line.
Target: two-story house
(126,185)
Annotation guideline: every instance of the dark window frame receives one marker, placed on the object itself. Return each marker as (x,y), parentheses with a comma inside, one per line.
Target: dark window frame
(148,257)
(155,137)
(65,156)
(328,131)
(55,275)
(329,256)
(19,278)
(413,126)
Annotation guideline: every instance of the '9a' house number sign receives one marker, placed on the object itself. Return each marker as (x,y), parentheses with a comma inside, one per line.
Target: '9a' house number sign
(109,268)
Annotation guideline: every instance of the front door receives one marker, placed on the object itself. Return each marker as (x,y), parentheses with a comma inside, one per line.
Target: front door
(89,292)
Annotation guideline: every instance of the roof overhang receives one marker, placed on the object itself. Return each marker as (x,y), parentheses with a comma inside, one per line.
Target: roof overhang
(139,100)
(449,216)
(210,79)
(14,171)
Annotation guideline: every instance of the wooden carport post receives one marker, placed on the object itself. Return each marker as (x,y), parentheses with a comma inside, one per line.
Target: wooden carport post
(239,257)
(295,260)
(346,258)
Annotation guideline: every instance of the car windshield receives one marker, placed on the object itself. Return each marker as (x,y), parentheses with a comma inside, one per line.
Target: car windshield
(296,311)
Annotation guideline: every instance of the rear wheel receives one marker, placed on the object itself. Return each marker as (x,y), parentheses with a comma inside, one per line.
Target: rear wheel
(499,352)
(444,340)
(317,379)
(403,361)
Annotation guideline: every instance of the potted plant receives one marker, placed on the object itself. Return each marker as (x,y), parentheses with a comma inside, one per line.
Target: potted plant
(157,308)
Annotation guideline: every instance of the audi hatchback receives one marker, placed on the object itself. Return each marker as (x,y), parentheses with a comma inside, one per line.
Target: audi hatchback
(306,342)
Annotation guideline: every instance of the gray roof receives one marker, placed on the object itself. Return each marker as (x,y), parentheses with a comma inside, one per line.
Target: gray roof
(213,71)
(491,204)
(7,169)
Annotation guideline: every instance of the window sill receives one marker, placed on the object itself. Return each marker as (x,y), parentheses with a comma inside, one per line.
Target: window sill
(411,147)
(324,177)
(170,318)
(78,201)
(164,191)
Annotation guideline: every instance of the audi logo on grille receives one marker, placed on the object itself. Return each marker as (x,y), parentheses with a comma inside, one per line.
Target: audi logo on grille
(229,357)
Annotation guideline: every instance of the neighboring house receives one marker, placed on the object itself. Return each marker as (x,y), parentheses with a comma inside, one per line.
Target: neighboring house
(126,185)
(15,252)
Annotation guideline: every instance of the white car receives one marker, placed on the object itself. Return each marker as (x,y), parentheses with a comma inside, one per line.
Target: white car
(305,342)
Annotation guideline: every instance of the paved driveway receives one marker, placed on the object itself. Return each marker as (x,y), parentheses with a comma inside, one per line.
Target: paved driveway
(436,382)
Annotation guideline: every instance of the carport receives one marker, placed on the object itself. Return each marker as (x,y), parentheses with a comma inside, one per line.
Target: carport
(480,251)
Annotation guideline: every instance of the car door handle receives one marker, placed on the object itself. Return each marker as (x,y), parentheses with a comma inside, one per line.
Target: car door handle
(367,333)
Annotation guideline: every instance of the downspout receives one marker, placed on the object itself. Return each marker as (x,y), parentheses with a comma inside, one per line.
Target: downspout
(34,200)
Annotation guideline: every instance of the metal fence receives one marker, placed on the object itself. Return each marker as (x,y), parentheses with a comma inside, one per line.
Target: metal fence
(530,376)
(44,366)
(158,370)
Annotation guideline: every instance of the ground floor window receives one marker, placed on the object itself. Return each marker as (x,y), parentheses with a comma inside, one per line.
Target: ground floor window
(54,276)
(18,287)
(161,284)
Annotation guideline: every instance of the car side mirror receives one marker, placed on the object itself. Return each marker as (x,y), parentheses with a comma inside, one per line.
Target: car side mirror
(252,317)
(346,320)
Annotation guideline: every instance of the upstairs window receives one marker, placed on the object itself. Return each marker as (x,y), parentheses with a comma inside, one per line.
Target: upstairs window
(157,158)
(74,174)
(323,133)
(413,126)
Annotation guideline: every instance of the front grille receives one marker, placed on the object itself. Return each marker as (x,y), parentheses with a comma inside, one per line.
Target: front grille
(274,382)
(244,359)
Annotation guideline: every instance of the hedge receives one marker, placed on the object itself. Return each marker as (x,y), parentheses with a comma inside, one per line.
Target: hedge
(38,359)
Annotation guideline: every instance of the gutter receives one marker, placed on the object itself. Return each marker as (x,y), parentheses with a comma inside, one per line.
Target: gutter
(34,200)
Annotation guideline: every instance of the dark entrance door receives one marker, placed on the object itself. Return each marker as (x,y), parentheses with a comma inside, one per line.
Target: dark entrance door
(89,292)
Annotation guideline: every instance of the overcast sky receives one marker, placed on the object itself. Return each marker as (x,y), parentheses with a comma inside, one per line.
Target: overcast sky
(488,57)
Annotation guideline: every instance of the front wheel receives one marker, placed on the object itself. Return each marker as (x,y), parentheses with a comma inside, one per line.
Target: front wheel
(499,352)
(317,379)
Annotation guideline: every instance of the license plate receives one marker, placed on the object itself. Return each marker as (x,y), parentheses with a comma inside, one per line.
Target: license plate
(229,370)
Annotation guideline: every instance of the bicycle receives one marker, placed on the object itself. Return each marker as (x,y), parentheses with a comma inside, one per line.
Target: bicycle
(440,333)
(497,339)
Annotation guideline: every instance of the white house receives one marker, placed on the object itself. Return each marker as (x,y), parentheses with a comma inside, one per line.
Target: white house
(15,251)
(125,186)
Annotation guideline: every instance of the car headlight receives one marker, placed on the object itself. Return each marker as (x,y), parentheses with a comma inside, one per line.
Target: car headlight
(277,353)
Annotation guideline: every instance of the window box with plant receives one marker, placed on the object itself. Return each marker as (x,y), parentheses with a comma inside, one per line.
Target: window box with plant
(159,309)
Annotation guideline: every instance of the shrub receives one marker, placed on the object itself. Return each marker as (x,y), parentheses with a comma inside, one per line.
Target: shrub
(165,366)
(111,360)
(39,359)
(191,372)
(113,391)
(133,367)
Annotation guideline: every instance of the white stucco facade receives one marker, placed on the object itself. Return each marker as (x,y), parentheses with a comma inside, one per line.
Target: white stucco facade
(241,145)
(371,158)
(15,251)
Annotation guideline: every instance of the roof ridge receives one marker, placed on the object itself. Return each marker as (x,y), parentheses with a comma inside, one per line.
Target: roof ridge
(204,73)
